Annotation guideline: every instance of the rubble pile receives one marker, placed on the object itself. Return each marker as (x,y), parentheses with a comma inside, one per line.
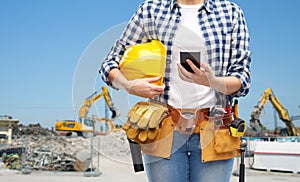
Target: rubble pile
(4,169)
(44,150)
(52,153)
(32,129)
(11,161)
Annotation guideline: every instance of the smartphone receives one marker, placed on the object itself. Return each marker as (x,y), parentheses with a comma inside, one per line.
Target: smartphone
(193,56)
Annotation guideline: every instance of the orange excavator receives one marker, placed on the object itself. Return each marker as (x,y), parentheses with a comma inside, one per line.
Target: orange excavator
(86,125)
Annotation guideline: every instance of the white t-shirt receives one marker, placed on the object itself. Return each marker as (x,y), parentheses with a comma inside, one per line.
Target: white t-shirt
(189,38)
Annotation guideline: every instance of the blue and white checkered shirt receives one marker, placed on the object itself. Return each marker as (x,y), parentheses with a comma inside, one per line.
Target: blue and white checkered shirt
(224,30)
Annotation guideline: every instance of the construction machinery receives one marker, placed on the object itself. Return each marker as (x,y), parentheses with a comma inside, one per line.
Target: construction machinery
(86,125)
(268,95)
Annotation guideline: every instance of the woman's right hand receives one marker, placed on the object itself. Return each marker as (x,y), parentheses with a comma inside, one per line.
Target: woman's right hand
(144,87)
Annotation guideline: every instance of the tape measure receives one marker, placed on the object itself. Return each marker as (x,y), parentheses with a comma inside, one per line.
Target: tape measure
(237,127)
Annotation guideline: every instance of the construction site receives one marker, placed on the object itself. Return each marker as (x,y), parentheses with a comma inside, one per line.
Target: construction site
(230,64)
(76,150)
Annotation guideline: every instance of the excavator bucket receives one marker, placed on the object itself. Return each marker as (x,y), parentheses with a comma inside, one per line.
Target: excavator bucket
(113,114)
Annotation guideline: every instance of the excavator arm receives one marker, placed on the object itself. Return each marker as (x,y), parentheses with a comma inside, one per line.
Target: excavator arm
(89,101)
(284,116)
(268,95)
(255,115)
(86,125)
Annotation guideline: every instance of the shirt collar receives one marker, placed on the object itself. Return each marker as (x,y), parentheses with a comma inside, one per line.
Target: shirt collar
(208,5)
(174,4)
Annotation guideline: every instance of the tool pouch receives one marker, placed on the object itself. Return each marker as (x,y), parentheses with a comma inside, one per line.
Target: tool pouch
(224,142)
(161,146)
(150,125)
(217,143)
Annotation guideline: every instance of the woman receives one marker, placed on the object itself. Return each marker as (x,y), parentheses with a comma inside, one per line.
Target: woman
(217,31)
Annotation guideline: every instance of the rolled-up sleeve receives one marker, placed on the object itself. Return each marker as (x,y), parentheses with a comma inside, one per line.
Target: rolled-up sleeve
(240,54)
(133,34)
(111,62)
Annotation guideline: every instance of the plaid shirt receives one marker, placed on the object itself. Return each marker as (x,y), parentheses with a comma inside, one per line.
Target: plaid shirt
(224,30)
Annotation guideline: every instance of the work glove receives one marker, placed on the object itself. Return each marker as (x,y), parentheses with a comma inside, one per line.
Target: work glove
(143,121)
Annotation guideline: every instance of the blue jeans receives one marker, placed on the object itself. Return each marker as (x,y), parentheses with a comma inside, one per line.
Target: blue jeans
(185,164)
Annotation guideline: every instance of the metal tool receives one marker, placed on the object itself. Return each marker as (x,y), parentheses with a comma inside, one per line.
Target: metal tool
(218,112)
(237,127)
(243,148)
(136,156)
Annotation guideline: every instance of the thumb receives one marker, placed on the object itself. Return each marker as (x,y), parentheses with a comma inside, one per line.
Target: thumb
(153,79)
(206,67)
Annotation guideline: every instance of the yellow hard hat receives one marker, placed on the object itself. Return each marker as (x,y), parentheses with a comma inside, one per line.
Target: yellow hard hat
(144,61)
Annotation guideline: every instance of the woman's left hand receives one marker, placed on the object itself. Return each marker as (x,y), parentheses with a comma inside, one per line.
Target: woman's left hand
(206,77)
(202,76)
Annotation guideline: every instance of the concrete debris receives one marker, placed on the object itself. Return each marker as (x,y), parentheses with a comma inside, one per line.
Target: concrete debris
(42,149)
(32,129)
(4,169)
(48,160)
(11,161)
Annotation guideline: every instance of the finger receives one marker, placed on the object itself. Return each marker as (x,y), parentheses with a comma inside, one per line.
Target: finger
(205,67)
(159,89)
(192,65)
(183,74)
(156,90)
(183,71)
(180,70)
(154,93)
(153,79)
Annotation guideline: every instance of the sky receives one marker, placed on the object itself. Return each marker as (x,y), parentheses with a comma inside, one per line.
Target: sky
(50,52)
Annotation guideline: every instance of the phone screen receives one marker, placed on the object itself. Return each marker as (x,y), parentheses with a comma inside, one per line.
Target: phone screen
(193,56)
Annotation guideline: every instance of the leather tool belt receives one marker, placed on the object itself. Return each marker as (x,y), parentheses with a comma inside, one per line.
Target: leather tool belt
(188,120)
(215,139)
